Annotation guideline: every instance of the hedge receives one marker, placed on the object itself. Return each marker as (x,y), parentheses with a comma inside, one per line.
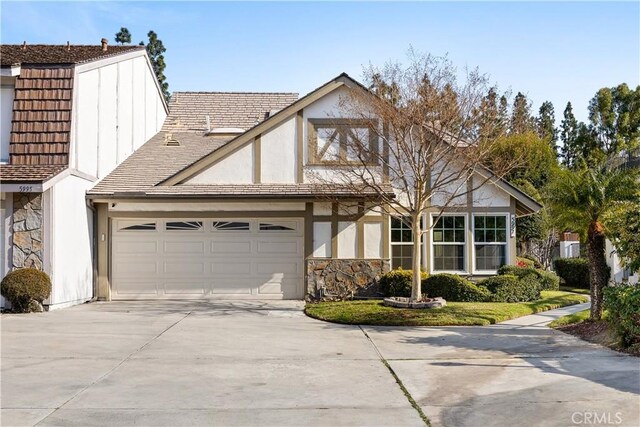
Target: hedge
(25,285)
(397,283)
(574,271)
(623,308)
(547,280)
(452,287)
(510,288)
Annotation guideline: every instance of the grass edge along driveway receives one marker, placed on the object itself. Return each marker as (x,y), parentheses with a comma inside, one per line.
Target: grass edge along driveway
(372,312)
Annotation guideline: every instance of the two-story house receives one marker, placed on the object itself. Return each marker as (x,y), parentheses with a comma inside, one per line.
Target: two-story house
(223,203)
(69,115)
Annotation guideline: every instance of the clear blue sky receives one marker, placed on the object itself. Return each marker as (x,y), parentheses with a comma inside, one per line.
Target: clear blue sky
(550,51)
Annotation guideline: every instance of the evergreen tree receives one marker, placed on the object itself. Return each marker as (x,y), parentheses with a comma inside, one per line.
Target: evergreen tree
(155,49)
(123,36)
(545,124)
(569,136)
(521,119)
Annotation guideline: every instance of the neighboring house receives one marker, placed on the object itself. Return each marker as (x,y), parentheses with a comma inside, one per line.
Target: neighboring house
(223,203)
(620,274)
(70,115)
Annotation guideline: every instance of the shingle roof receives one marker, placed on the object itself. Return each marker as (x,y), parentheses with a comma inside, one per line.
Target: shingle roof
(29,173)
(155,161)
(41,124)
(225,109)
(57,54)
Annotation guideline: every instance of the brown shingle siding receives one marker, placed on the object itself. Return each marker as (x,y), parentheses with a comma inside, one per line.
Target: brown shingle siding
(40,130)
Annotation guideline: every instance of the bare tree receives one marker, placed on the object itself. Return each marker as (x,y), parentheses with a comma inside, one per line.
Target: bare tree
(413,140)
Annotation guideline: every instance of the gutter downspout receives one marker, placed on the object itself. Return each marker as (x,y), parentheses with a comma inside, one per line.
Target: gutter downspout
(94,250)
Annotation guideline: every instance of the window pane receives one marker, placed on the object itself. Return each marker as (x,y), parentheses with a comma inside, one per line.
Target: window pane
(501,236)
(183,225)
(139,227)
(277,227)
(478,222)
(490,257)
(490,221)
(406,236)
(448,235)
(459,236)
(448,257)
(396,222)
(395,236)
(230,226)
(448,222)
(490,235)
(438,236)
(479,235)
(401,256)
(459,222)
(501,222)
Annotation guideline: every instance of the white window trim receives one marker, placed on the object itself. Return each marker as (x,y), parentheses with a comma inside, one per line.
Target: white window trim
(465,252)
(507,256)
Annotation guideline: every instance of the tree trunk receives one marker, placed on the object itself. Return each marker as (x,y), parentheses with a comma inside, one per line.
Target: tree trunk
(598,269)
(416,286)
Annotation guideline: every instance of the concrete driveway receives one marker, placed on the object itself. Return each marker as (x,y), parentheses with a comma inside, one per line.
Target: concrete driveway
(203,363)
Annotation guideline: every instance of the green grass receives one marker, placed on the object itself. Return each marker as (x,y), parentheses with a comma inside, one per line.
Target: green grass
(372,312)
(575,290)
(570,319)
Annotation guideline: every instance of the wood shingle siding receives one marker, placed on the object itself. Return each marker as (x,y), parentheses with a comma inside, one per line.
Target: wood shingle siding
(40,129)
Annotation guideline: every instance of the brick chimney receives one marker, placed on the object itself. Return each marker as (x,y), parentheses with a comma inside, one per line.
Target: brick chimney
(104,44)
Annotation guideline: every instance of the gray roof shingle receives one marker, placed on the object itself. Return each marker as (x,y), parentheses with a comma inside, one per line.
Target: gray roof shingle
(14,54)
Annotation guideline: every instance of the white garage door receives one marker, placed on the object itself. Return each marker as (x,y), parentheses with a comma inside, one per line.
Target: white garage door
(207,258)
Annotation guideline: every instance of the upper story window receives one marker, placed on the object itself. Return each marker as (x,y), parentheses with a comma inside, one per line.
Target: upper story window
(340,141)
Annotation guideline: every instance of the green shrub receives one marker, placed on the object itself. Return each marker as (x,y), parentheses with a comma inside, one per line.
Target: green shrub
(452,287)
(22,286)
(574,271)
(397,283)
(547,280)
(510,288)
(623,307)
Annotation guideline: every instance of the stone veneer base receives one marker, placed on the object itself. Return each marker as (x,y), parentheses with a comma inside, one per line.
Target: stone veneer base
(338,279)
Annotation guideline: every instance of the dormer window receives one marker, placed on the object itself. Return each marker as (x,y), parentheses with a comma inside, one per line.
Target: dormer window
(342,141)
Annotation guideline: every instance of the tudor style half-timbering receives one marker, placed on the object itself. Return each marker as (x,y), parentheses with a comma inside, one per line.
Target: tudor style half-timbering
(70,115)
(226,201)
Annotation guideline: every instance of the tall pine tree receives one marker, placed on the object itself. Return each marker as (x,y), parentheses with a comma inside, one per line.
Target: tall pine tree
(545,124)
(155,49)
(521,119)
(123,36)
(569,136)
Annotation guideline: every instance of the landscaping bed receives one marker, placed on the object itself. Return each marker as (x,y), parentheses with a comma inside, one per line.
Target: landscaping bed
(373,312)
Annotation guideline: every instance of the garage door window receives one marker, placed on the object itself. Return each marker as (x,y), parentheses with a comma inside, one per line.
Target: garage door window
(183,225)
(146,226)
(230,226)
(277,226)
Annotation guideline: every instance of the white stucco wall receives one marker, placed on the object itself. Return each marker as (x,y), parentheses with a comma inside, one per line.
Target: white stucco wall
(279,154)
(347,239)
(117,109)
(236,168)
(617,271)
(373,240)
(322,239)
(6,114)
(489,195)
(70,239)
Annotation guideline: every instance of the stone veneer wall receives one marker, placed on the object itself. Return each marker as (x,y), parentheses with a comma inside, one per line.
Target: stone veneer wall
(335,279)
(27,230)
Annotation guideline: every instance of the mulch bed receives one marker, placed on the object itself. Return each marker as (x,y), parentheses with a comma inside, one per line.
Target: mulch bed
(600,333)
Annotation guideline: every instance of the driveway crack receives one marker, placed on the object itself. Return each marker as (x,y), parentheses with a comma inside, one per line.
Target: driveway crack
(404,390)
(115,367)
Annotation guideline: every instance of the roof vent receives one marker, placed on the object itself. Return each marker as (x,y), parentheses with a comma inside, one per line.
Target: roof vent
(24,45)
(169,140)
(68,46)
(104,44)
(208,119)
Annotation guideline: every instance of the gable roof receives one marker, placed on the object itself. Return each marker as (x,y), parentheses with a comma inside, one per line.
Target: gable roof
(186,123)
(47,54)
(184,169)
(242,110)
(28,173)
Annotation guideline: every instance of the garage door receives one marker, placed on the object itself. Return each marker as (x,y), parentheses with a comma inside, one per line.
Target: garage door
(207,258)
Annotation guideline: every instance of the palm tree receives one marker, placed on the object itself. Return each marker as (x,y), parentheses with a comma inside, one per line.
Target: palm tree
(580,199)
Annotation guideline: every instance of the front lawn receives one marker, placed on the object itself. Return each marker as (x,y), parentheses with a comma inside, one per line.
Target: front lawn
(372,312)
(571,319)
(575,290)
